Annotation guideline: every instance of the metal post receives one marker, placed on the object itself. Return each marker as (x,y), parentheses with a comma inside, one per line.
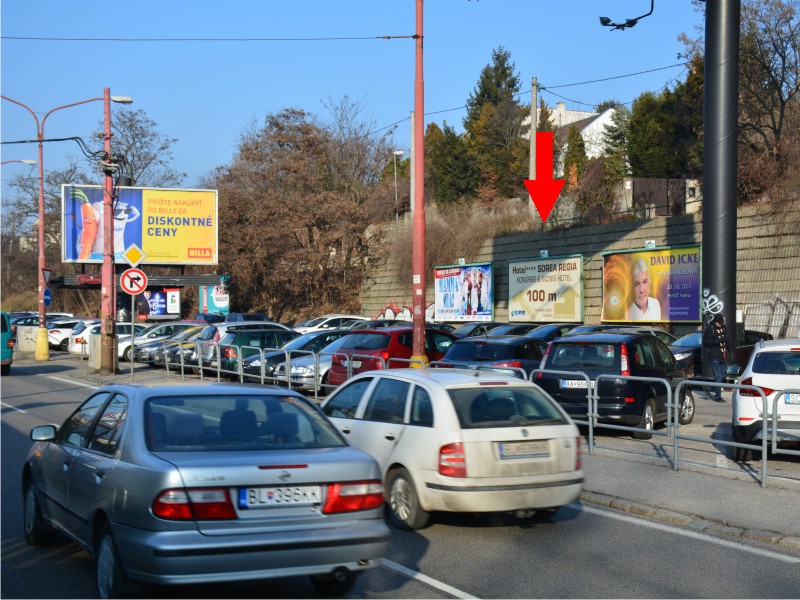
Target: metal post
(419,281)
(108,306)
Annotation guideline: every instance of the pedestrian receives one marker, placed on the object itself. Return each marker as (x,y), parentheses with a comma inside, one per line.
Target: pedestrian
(717,345)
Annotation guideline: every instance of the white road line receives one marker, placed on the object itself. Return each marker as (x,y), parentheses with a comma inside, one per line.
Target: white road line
(411,574)
(697,535)
(14,408)
(73,382)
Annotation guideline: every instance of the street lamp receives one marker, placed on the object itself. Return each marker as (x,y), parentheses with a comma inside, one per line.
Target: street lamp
(396,153)
(42,346)
(24,161)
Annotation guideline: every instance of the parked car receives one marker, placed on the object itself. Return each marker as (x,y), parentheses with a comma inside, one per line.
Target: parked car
(77,332)
(504,351)
(254,367)
(79,343)
(688,350)
(476,328)
(6,345)
(206,341)
(222,483)
(307,373)
(332,321)
(237,344)
(177,350)
(774,366)
(459,441)
(58,332)
(157,331)
(512,329)
(370,349)
(236,317)
(212,317)
(550,331)
(375,323)
(641,404)
(148,351)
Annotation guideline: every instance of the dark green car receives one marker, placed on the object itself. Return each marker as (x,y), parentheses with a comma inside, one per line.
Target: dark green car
(236,345)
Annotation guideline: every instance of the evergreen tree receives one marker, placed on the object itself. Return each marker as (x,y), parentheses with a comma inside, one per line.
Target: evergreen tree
(574,157)
(497,82)
(544,122)
(452,174)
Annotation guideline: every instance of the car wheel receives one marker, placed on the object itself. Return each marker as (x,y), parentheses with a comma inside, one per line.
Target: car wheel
(405,511)
(686,408)
(5,370)
(336,584)
(127,355)
(648,421)
(111,580)
(743,454)
(36,532)
(63,345)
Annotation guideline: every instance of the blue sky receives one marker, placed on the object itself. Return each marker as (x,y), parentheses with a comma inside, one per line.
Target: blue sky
(206,93)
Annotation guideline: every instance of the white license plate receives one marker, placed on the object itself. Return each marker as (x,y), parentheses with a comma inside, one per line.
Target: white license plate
(266,497)
(524,449)
(790,398)
(574,384)
(356,363)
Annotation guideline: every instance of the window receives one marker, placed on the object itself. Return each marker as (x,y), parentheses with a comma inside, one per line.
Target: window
(421,408)
(77,429)
(665,356)
(441,343)
(643,355)
(388,401)
(107,432)
(345,403)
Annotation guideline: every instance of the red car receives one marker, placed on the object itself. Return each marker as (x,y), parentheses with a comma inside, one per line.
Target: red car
(370,349)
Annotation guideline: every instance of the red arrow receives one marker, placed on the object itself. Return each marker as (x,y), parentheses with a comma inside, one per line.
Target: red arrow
(544,190)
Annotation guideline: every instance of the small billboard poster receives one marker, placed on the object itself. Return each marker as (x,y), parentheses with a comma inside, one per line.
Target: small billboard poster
(463,293)
(662,285)
(546,290)
(160,304)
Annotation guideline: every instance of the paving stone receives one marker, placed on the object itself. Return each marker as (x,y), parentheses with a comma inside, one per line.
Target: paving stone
(791,542)
(726,530)
(675,518)
(767,537)
(633,507)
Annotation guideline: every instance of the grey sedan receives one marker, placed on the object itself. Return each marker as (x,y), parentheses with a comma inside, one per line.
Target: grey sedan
(205,483)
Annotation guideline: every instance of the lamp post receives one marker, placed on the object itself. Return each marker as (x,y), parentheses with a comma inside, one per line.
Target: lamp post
(24,161)
(396,153)
(42,346)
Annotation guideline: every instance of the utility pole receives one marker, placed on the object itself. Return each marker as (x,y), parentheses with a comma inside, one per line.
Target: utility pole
(418,272)
(534,126)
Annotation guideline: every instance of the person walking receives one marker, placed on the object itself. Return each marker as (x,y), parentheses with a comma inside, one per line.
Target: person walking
(717,345)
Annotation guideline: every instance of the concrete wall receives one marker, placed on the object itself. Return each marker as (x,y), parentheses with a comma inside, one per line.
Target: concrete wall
(768,281)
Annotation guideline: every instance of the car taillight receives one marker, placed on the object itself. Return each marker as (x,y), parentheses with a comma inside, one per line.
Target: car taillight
(749,381)
(623,360)
(10,344)
(201,504)
(350,497)
(229,353)
(452,462)
(511,364)
(385,356)
(544,359)
(80,340)
(53,331)
(578,455)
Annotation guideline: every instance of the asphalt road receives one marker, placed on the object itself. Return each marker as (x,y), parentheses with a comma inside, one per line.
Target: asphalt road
(585,551)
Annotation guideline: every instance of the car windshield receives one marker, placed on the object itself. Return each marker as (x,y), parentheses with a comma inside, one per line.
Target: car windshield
(236,422)
(480,351)
(301,342)
(310,322)
(365,341)
(582,355)
(479,407)
(688,341)
(782,362)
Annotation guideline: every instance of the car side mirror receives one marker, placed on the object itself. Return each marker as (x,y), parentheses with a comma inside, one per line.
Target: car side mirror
(732,372)
(43,433)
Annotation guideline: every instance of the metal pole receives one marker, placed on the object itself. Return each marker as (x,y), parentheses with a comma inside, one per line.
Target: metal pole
(396,217)
(534,126)
(133,332)
(108,308)
(419,280)
(42,351)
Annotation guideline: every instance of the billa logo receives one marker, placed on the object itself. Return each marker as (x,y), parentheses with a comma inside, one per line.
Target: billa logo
(199,252)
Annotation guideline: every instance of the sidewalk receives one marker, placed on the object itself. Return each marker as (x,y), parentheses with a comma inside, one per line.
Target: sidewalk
(699,497)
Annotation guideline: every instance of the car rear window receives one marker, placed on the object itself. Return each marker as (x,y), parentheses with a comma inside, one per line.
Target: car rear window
(480,351)
(242,422)
(777,363)
(480,408)
(366,341)
(583,355)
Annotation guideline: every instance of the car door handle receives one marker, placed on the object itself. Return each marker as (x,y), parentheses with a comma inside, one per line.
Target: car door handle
(67,464)
(390,437)
(100,473)
(346,430)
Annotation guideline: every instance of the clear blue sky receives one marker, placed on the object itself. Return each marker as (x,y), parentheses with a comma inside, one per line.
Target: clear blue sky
(206,92)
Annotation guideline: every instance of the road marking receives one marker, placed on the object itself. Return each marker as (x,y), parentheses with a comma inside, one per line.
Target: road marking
(411,574)
(13,408)
(73,382)
(697,535)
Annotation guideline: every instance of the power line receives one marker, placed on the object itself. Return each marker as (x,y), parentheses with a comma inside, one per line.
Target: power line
(680,64)
(117,39)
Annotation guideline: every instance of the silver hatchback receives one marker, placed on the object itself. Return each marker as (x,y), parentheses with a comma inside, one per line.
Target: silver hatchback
(202,484)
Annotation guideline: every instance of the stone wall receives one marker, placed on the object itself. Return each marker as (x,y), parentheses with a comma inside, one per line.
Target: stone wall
(768,265)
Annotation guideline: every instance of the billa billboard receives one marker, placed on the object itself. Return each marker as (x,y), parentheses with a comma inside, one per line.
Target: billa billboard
(546,290)
(464,293)
(172,227)
(659,286)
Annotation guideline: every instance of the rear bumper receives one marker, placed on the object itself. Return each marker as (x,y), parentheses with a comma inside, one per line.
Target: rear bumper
(787,432)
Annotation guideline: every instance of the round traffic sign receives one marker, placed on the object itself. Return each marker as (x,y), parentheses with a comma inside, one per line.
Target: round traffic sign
(133,281)
(47,296)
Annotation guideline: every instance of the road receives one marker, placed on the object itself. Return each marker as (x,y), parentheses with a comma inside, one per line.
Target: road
(585,551)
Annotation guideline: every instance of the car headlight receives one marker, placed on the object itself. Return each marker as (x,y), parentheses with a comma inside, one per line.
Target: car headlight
(683,355)
(254,363)
(300,370)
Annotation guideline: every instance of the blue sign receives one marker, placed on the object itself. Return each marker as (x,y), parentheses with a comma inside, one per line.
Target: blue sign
(48,297)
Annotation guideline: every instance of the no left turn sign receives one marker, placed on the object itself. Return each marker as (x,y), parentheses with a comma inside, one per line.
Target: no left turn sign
(133,281)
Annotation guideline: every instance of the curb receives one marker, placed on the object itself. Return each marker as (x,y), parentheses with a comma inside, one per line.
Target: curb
(718,528)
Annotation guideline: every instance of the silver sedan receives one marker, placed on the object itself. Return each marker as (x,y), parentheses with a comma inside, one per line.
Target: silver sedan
(205,483)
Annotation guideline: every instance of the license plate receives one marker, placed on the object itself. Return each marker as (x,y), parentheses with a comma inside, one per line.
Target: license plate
(212,363)
(790,398)
(356,363)
(267,497)
(537,449)
(574,384)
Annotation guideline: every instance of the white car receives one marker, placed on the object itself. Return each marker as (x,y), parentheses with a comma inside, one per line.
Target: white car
(58,332)
(333,321)
(774,366)
(75,347)
(79,342)
(459,440)
(158,331)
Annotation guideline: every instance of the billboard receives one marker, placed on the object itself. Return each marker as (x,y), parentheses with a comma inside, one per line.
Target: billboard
(172,227)
(463,293)
(546,289)
(160,304)
(659,286)
(214,299)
